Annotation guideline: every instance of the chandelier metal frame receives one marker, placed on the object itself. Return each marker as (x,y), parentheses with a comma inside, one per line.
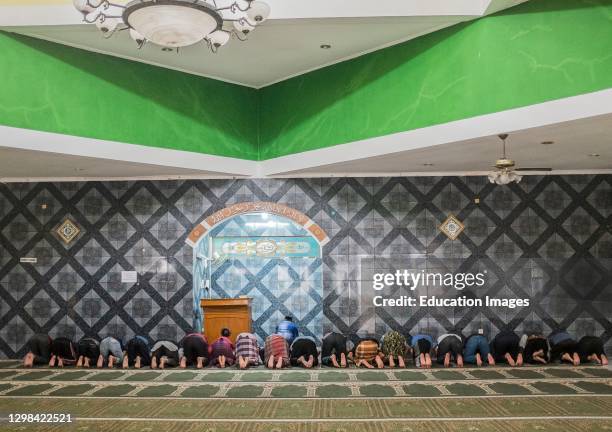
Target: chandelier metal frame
(235,23)
(505,173)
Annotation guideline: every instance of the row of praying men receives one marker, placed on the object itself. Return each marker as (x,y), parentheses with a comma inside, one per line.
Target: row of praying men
(286,348)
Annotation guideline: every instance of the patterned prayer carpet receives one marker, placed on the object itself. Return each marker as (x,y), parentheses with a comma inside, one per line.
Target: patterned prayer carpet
(555,398)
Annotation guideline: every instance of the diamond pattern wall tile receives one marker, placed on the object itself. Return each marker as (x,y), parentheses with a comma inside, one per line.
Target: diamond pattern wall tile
(66,282)
(580,225)
(193,205)
(167,280)
(547,238)
(43,206)
(18,231)
(143,204)
(529,225)
(600,197)
(554,199)
(14,334)
(93,206)
(111,282)
(41,308)
(17,282)
(502,201)
(117,230)
(91,308)
(92,256)
(168,231)
(399,201)
(45,255)
(142,308)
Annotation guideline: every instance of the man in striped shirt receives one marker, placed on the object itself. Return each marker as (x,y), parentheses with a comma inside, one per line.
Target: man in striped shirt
(247,350)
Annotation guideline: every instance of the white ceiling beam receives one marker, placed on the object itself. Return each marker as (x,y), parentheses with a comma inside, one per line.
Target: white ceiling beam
(557,111)
(26,139)
(379,155)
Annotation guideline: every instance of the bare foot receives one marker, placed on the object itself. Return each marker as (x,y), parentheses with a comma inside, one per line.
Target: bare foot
(510,360)
(391,362)
(539,359)
(241,362)
(199,362)
(60,362)
(137,362)
(153,362)
(604,360)
(491,360)
(367,364)
(343,362)
(334,361)
(576,359)
(447,360)
(566,357)
(52,361)
(270,362)
(478,360)
(460,361)
(79,362)
(86,362)
(28,360)
(310,361)
(221,361)
(126,362)
(401,361)
(100,363)
(428,361)
(519,360)
(162,362)
(422,361)
(111,361)
(183,363)
(593,358)
(379,362)
(279,363)
(301,361)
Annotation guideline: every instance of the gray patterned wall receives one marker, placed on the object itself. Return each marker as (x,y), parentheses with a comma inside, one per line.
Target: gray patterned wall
(547,238)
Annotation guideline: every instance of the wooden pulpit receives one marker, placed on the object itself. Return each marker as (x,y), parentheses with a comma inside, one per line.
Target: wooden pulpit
(235,314)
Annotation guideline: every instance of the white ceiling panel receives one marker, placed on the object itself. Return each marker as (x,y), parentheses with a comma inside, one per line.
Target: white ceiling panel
(286,45)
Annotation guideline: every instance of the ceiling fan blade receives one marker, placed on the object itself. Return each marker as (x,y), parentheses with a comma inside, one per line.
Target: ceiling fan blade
(533,169)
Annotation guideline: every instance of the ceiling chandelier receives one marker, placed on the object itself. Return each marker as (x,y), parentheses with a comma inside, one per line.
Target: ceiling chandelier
(173,24)
(505,173)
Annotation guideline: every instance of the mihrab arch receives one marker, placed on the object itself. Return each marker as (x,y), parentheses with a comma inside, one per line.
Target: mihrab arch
(204,282)
(256,207)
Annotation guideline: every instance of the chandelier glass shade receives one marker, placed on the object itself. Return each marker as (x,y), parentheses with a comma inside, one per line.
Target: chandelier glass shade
(504,177)
(176,23)
(505,173)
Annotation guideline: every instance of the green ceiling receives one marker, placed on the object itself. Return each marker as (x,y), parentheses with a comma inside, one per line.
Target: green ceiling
(54,88)
(536,52)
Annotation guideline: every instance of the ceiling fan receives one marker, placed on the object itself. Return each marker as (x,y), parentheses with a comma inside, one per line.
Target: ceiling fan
(506,172)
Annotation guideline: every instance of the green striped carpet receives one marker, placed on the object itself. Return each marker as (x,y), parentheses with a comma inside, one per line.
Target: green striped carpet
(318,383)
(553,398)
